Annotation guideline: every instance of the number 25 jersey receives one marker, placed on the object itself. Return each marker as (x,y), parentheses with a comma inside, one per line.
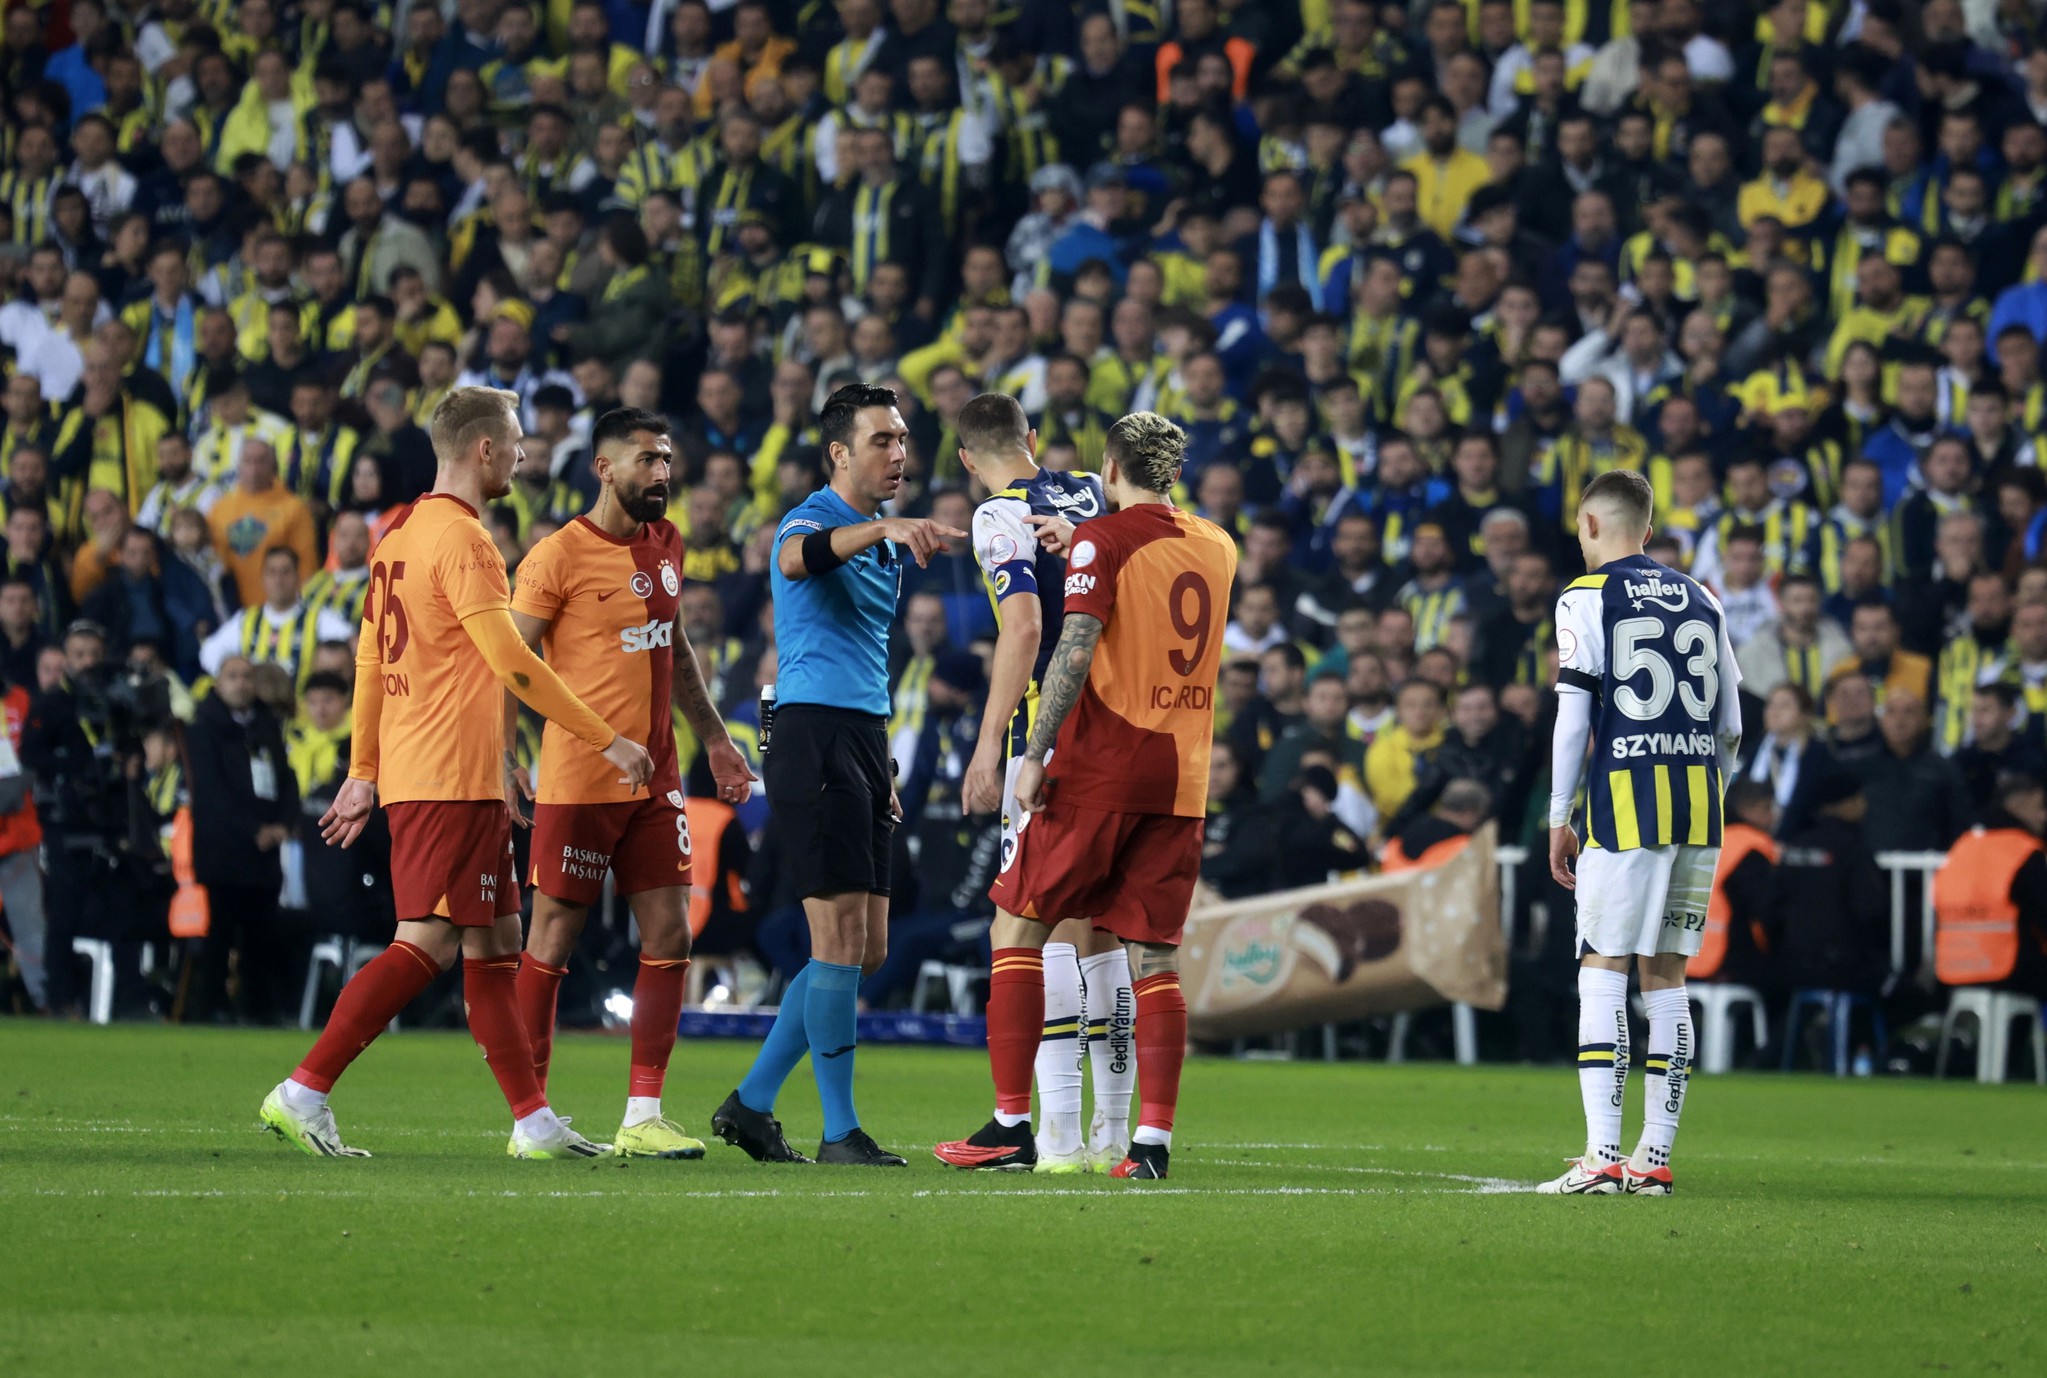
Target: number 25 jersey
(1650,644)
(441,728)
(1158,579)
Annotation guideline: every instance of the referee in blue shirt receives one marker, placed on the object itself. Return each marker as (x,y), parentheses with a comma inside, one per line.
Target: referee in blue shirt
(836,579)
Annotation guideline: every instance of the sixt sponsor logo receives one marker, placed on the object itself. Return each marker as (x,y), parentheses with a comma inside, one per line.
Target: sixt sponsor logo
(646,637)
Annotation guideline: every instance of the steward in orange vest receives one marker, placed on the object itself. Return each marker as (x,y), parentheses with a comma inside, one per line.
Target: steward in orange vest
(1736,945)
(717,886)
(1990,897)
(1442,832)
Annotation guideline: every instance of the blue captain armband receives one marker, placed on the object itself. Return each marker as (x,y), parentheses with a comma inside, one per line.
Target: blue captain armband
(1016,576)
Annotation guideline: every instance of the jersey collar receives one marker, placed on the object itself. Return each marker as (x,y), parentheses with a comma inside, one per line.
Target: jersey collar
(450,497)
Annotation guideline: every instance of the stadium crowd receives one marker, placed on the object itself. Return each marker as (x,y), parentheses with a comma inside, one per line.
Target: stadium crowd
(1410,275)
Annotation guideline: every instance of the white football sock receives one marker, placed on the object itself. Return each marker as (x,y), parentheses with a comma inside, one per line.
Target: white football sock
(300,1096)
(1148,1135)
(640,1109)
(541,1124)
(1058,1061)
(1110,1012)
(1669,1068)
(1602,1060)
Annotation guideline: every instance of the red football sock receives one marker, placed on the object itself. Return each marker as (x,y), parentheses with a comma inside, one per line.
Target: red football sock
(488,988)
(1161,1047)
(538,987)
(1016,1021)
(372,1000)
(657,1005)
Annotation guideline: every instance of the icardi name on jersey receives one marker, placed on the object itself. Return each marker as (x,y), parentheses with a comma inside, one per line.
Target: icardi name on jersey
(1650,644)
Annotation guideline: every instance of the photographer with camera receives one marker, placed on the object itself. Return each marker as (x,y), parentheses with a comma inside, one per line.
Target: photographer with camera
(82,743)
(245,806)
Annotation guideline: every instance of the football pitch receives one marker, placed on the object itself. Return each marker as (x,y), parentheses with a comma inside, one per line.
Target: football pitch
(1320,1218)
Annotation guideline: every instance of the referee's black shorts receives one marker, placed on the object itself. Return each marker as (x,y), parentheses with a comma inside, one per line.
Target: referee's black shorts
(829,785)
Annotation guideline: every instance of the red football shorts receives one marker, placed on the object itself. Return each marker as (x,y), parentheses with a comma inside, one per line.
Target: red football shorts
(1133,874)
(644,843)
(452,859)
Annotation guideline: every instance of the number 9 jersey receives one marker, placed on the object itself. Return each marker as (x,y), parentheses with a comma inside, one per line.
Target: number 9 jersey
(1137,741)
(1650,645)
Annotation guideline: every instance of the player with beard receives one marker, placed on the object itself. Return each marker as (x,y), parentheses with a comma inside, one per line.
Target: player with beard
(601,595)
(437,644)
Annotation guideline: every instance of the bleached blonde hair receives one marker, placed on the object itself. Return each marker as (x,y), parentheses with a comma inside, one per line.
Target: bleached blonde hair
(1149,450)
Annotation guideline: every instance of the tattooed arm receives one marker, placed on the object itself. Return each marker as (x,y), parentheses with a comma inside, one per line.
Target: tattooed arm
(1064,678)
(728,765)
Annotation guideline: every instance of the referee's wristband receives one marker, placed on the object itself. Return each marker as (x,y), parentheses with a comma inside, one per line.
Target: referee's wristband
(818,555)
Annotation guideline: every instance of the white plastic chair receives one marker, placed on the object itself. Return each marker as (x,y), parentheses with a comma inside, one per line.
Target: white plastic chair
(1994,1011)
(347,957)
(100,952)
(957,983)
(1717,1001)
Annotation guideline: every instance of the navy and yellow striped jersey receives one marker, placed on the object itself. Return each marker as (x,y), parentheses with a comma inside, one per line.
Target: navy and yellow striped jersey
(1006,547)
(1650,645)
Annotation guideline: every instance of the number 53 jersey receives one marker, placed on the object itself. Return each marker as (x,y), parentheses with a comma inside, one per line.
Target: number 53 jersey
(1137,741)
(1650,644)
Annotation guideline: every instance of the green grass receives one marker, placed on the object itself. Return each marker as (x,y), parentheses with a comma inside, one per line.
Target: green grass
(1320,1219)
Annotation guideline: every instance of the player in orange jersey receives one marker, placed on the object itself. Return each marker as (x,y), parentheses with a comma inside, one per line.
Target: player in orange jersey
(1112,821)
(437,642)
(602,594)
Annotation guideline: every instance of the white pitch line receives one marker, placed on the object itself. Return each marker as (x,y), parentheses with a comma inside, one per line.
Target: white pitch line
(994,1194)
(1486,1185)
(371,1131)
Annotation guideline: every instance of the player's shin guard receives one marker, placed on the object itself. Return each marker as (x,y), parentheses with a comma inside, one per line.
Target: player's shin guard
(1016,1019)
(781,1050)
(366,1005)
(831,1019)
(537,990)
(1161,1048)
(1059,1053)
(1110,1011)
(1669,1068)
(488,989)
(1602,1059)
(657,1006)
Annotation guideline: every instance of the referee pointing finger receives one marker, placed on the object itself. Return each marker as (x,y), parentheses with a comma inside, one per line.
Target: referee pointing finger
(836,579)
